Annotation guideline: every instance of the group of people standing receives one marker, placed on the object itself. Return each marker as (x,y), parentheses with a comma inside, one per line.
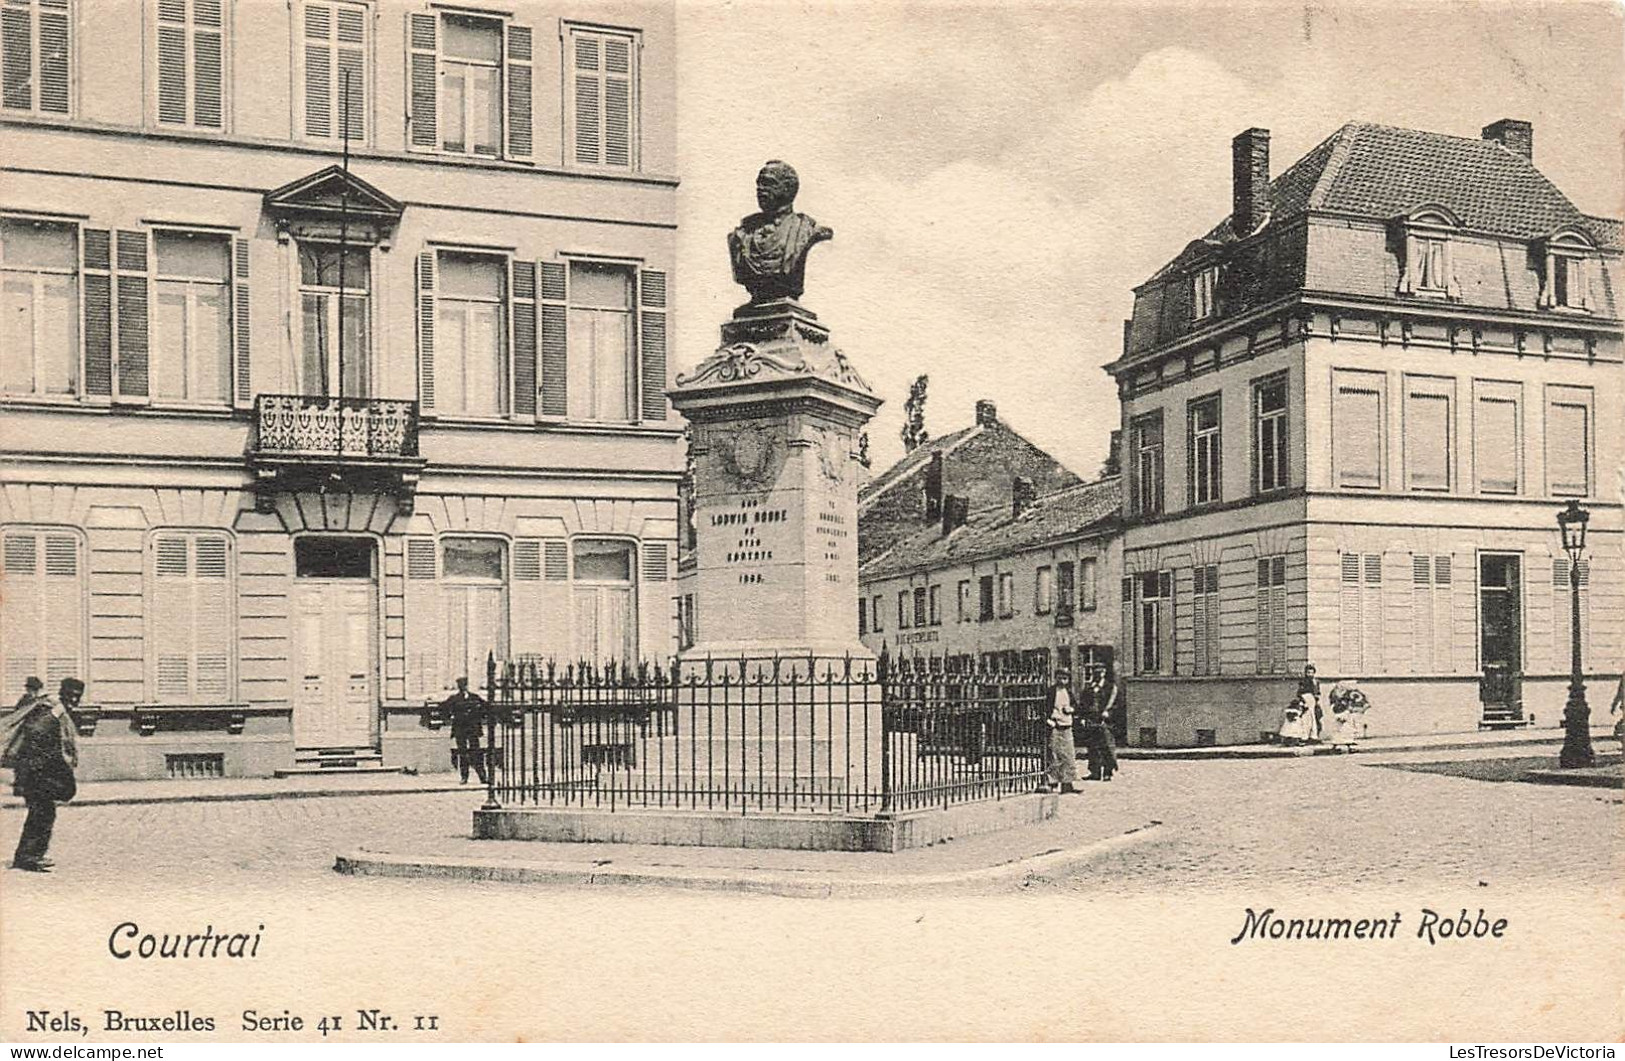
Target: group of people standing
(38,742)
(1088,724)
(1305,721)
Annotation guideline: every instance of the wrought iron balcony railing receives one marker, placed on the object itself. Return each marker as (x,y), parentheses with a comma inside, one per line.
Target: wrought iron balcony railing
(315,426)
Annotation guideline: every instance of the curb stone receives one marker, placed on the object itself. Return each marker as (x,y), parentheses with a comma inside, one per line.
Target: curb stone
(790,883)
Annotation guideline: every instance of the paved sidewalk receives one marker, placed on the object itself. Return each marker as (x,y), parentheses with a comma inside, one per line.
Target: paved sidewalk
(111,793)
(1094,824)
(1422,742)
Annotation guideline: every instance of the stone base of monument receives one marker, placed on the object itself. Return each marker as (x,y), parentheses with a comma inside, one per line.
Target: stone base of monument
(800,832)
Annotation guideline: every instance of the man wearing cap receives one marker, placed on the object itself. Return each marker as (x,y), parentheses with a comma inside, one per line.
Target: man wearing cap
(467,712)
(42,750)
(32,688)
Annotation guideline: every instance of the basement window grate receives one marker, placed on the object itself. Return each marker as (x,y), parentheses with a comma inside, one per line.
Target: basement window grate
(191,766)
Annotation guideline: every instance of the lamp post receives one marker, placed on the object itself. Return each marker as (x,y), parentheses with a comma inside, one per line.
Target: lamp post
(1576,714)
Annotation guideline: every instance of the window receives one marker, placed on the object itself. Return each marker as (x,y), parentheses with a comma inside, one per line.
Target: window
(471,336)
(39,307)
(1568,441)
(1090,586)
(965,613)
(1204,292)
(334,77)
(1065,587)
(1007,594)
(1429,269)
(473,599)
(1566,280)
(601,116)
(1270,464)
(34,56)
(1148,464)
(469,85)
(919,606)
(936,606)
(189,48)
(1205,618)
(42,626)
(1044,591)
(1428,432)
(985,601)
(1357,429)
(688,623)
(191,350)
(1204,484)
(875,614)
(605,626)
(902,609)
(1271,606)
(602,380)
(190,612)
(1497,437)
(1360,619)
(323,274)
(1148,620)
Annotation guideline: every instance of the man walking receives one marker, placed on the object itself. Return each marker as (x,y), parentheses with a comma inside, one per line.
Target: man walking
(1062,771)
(41,747)
(467,711)
(32,688)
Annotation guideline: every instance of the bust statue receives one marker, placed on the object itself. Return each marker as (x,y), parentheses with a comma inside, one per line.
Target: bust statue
(769,249)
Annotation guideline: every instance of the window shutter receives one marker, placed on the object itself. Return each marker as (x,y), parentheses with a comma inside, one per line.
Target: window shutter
(16,60)
(423,618)
(132,314)
(1371,614)
(171,619)
(586,60)
(617,101)
(212,622)
(1421,614)
(423,61)
(523,287)
(21,633)
(96,276)
(1165,624)
(527,559)
(207,63)
(318,70)
(1443,621)
(652,342)
(1131,632)
(527,601)
(1278,613)
(350,91)
(426,332)
(1265,636)
(53,56)
(556,560)
(64,611)
(517,69)
(657,562)
(239,324)
(554,281)
(172,61)
(1349,614)
(1199,620)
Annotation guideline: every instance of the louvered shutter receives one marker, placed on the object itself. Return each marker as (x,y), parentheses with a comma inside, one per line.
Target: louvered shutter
(171,619)
(1278,612)
(657,564)
(1348,619)
(190,55)
(208,54)
(1371,613)
(526,596)
(1563,613)
(652,342)
(553,291)
(350,90)
(1165,623)
(239,324)
(588,84)
(132,287)
(1422,614)
(423,618)
(423,72)
(617,101)
(1266,637)
(517,71)
(426,323)
(1131,630)
(172,61)
(556,559)
(1443,621)
(212,621)
(22,634)
(42,623)
(96,276)
(1199,620)
(318,34)
(63,610)
(54,30)
(16,58)
(523,286)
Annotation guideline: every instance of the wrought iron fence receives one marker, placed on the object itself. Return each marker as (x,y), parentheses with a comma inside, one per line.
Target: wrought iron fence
(305,424)
(788,735)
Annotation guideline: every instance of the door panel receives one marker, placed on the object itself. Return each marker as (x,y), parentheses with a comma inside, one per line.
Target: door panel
(336,702)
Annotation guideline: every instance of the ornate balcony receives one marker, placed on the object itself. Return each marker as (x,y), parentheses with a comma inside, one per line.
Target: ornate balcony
(314,442)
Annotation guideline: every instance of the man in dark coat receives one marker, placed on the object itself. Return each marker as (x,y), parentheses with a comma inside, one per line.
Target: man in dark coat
(42,749)
(467,711)
(32,689)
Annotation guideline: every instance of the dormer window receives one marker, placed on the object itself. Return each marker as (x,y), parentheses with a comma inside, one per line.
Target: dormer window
(1429,269)
(1204,293)
(1566,279)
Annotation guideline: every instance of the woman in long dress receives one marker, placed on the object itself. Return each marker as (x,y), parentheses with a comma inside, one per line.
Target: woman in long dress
(1297,720)
(1347,704)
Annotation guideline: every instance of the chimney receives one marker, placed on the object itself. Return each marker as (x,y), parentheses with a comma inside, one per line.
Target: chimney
(1514,135)
(1128,335)
(1250,174)
(955,511)
(933,487)
(987,413)
(1022,493)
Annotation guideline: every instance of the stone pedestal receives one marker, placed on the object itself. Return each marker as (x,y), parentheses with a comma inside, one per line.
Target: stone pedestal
(776,412)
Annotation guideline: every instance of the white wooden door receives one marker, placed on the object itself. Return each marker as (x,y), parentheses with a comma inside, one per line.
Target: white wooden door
(335,700)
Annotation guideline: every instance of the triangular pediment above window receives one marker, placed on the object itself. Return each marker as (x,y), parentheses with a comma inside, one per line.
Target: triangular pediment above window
(318,206)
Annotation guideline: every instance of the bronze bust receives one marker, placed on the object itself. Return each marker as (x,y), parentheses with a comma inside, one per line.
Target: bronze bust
(769,249)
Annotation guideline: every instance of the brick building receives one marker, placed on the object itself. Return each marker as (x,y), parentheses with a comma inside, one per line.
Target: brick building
(1350,414)
(290,443)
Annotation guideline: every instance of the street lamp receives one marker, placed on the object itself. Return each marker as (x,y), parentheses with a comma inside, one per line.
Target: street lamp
(1576,714)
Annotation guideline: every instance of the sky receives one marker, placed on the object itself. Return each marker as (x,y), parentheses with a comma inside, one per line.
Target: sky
(999,176)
